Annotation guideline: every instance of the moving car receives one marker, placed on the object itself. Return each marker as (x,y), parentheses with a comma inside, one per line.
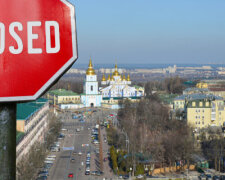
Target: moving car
(72,160)
(55,149)
(87,172)
(70,175)
(88,154)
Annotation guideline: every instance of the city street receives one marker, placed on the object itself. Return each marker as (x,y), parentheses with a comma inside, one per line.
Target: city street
(81,141)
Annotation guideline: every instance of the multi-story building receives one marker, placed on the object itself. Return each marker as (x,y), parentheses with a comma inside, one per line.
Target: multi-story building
(206,112)
(201,110)
(32,123)
(62,96)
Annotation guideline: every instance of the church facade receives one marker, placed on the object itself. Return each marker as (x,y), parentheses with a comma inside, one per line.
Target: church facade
(113,89)
(91,96)
(118,86)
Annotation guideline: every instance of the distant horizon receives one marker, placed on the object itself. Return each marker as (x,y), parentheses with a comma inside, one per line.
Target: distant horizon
(149,31)
(144,65)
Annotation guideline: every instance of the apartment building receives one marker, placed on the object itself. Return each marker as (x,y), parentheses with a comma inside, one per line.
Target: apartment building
(32,124)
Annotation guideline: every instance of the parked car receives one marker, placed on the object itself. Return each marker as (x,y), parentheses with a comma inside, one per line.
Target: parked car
(49,159)
(95,142)
(93,172)
(126,176)
(99,173)
(216,178)
(208,176)
(51,156)
(43,171)
(140,176)
(202,177)
(42,178)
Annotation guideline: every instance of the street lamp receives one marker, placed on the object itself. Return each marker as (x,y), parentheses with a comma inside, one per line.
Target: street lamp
(130,172)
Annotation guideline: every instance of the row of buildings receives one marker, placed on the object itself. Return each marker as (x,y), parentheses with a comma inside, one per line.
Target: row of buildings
(201,107)
(32,125)
(112,89)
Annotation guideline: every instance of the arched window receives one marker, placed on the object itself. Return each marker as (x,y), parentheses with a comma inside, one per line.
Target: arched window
(91,88)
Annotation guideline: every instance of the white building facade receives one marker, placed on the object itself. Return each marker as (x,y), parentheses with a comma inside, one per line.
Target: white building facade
(118,86)
(91,96)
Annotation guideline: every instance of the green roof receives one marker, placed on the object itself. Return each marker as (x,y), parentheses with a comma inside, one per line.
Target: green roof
(137,87)
(167,98)
(63,92)
(25,110)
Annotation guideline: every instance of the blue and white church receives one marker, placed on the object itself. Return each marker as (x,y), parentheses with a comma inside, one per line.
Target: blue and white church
(91,96)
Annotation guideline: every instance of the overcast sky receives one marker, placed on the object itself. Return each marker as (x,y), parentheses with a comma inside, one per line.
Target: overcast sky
(151,31)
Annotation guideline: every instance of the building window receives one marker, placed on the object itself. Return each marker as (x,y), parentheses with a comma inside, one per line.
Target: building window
(193,104)
(91,88)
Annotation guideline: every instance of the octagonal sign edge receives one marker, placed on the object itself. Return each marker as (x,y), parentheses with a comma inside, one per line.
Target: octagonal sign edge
(61,71)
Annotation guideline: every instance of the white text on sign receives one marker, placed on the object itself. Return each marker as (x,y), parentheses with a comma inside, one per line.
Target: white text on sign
(30,37)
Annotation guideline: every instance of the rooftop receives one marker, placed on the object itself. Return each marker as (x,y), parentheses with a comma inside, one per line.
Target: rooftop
(196,89)
(63,92)
(198,97)
(167,98)
(25,110)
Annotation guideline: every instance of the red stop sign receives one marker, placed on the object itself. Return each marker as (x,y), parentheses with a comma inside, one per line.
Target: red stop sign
(37,45)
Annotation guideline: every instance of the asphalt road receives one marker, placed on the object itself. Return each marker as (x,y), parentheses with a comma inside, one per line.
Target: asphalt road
(62,165)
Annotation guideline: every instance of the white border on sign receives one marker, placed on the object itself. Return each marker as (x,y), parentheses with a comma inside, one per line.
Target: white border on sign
(58,73)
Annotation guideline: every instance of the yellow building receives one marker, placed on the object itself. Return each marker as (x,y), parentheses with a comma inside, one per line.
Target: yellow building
(62,96)
(179,102)
(205,111)
(202,85)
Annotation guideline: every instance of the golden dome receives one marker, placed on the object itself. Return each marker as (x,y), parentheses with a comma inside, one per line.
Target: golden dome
(109,78)
(128,77)
(103,77)
(90,70)
(124,78)
(116,73)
